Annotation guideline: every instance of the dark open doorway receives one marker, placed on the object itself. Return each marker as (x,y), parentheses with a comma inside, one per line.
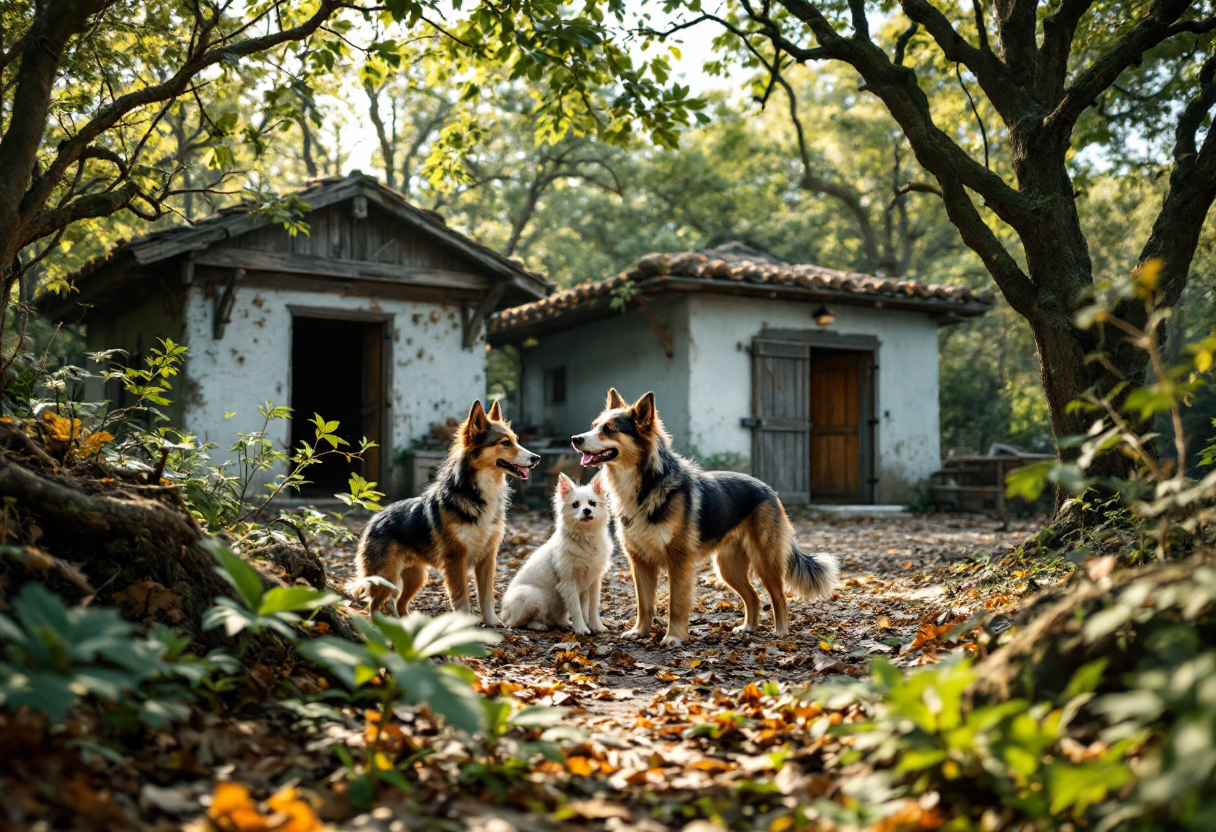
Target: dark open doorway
(339,370)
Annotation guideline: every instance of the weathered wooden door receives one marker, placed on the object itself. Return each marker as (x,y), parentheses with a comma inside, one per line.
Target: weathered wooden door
(780,422)
(836,426)
(373,400)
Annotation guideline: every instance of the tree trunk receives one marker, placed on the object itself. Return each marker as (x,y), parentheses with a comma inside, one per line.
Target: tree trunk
(105,533)
(1059,266)
(1068,373)
(118,533)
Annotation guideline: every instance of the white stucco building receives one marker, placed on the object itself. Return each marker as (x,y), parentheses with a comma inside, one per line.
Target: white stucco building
(374,318)
(745,375)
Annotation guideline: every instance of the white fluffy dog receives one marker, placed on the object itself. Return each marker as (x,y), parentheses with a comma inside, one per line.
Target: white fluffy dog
(561,579)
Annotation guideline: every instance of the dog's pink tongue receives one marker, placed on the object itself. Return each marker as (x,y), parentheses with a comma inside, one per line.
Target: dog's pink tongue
(587,459)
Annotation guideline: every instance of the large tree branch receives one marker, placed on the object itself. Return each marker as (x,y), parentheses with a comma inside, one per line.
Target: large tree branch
(898,88)
(1155,26)
(89,206)
(1016,21)
(901,43)
(110,114)
(55,23)
(1192,189)
(861,26)
(1012,101)
(1009,277)
(1059,29)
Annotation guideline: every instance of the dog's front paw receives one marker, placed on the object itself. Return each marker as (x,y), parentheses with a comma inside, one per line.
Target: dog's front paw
(672,641)
(581,630)
(491,620)
(634,632)
(743,629)
(598,628)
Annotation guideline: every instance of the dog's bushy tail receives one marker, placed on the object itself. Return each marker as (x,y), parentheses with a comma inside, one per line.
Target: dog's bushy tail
(371,559)
(811,576)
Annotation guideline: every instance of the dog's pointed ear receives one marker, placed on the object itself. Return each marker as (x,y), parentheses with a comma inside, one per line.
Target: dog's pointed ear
(597,484)
(615,400)
(495,413)
(643,412)
(475,424)
(564,485)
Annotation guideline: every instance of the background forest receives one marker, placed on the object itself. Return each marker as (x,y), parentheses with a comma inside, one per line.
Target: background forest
(815,171)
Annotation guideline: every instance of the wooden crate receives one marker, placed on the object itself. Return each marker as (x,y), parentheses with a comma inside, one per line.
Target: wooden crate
(976,482)
(421,469)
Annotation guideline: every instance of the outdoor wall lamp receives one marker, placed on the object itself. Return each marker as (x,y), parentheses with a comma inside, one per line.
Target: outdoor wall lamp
(823,316)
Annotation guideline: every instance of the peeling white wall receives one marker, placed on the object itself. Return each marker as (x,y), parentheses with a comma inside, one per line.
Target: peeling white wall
(908,436)
(622,351)
(433,376)
(704,391)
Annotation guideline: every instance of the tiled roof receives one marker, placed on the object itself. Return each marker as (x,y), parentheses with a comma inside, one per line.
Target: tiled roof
(736,265)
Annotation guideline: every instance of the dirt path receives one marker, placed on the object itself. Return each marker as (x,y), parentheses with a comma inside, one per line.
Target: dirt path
(897,576)
(716,735)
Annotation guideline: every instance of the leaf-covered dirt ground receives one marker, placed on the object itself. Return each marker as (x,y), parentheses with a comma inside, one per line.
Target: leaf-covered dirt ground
(896,575)
(707,736)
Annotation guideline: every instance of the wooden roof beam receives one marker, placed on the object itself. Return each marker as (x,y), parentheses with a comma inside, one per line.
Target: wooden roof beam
(270,261)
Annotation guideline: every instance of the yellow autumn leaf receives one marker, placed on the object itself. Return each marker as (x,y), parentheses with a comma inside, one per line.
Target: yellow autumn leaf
(63,430)
(781,824)
(93,443)
(300,816)
(233,808)
(1148,275)
(579,766)
(1203,361)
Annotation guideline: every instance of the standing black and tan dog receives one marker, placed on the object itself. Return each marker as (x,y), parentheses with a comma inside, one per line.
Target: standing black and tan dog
(456,523)
(670,515)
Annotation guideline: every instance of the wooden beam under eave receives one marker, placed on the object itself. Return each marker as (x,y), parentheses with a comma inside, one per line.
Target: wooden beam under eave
(372,290)
(657,326)
(474,323)
(362,270)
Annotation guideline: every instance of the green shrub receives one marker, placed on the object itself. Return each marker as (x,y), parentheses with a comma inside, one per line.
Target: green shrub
(394,665)
(54,655)
(253,609)
(923,735)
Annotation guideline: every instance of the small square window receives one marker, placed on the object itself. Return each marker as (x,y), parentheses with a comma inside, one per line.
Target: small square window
(555,385)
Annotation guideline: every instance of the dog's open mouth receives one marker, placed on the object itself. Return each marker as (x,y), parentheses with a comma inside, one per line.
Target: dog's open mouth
(599,458)
(517,471)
